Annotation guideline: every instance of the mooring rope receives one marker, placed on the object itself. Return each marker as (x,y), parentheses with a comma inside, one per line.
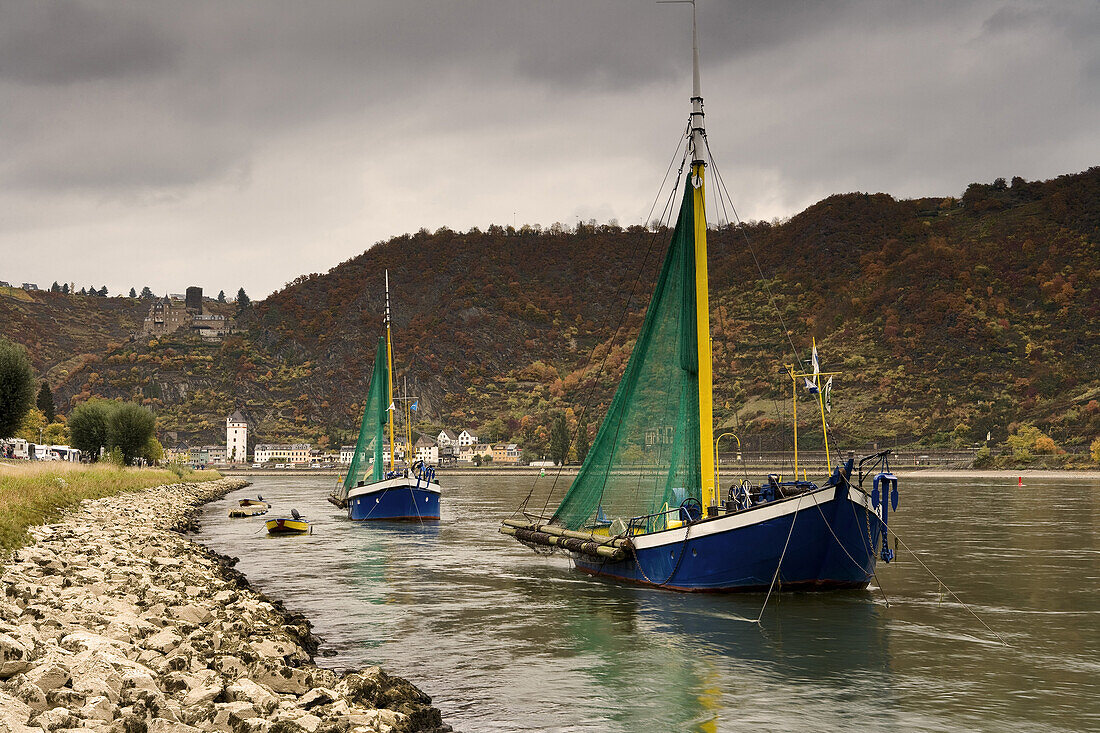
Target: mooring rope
(797,507)
(953,593)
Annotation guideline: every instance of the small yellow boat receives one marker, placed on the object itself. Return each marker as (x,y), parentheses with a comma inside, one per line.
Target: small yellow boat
(294,525)
(249,508)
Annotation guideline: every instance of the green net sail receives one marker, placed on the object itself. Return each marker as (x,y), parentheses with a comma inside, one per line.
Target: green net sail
(366,463)
(645,458)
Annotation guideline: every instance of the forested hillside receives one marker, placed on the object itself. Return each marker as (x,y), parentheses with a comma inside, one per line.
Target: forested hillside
(948,318)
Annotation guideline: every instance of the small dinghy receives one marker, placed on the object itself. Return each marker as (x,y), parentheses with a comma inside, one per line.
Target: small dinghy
(294,525)
(249,508)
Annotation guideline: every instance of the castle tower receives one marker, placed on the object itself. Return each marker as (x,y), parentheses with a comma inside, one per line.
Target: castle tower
(236,438)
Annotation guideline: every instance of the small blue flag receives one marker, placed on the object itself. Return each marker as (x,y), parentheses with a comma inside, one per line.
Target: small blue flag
(413,406)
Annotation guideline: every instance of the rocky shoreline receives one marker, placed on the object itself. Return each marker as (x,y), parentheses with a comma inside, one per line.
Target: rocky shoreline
(112,620)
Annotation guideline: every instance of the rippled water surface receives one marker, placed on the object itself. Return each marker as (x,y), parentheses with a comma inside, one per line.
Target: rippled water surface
(506,640)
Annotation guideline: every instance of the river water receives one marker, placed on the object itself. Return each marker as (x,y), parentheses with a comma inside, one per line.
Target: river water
(507,640)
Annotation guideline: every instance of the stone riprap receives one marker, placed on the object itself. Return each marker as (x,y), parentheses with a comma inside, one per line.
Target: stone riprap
(112,620)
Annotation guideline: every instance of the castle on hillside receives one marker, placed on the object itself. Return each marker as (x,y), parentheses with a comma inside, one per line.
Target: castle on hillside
(170,314)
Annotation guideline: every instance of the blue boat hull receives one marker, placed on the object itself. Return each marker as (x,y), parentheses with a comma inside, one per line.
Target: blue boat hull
(395,500)
(830,546)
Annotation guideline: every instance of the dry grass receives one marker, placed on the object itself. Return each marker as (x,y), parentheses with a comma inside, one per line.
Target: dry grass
(35,493)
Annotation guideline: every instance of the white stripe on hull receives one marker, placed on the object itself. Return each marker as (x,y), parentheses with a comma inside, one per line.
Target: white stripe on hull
(755,515)
(400,482)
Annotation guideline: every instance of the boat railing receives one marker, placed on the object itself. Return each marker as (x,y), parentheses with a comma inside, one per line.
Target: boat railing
(657,521)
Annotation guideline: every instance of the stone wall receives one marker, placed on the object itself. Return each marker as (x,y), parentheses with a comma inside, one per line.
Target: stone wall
(112,620)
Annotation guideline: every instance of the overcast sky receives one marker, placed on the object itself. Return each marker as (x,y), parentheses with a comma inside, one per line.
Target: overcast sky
(224,144)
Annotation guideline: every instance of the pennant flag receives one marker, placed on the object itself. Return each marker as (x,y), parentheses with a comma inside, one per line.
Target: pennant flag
(414,405)
(810,386)
(391,407)
(817,367)
(988,435)
(828,394)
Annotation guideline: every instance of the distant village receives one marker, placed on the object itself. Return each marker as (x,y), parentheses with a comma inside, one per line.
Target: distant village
(446,448)
(189,312)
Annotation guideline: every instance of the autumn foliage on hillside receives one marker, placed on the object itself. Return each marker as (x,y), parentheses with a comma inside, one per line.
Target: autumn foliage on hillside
(948,318)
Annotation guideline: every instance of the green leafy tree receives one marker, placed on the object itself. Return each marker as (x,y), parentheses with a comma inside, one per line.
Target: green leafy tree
(146,293)
(55,288)
(243,301)
(559,440)
(32,427)
(88,426)
(1029,439)
(153,451)
(16,386)
(129,428)
(221,296)
(56,434)
(65,288)
(133,293)
(45,402)
(1094,449)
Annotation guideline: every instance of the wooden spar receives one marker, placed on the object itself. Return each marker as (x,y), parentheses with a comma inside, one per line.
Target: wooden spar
(568,543)
(561,532)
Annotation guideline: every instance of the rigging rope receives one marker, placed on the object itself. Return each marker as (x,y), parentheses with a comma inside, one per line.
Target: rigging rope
(721,188)
(652,238)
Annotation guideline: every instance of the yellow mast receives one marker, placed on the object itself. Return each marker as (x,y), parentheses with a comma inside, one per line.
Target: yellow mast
(702,325)
(702,299)
(389,360)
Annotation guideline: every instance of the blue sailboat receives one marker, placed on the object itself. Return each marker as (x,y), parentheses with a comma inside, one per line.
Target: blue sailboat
(647,506)
(370,491)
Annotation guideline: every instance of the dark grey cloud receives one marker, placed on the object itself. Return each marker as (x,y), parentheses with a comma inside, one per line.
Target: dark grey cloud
(64,42)
(255,141)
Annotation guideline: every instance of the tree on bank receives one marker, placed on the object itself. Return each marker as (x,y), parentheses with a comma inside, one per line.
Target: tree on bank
(146,293)
(221,296)
(129,428)
(16,386)
(45,402)
(125,428)
(133,293)
(559,440)
(88,427)
(243,301)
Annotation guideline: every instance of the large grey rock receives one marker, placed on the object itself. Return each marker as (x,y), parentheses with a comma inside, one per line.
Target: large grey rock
(48,676)
(99,708)
(281,678)
(203,695)
(54,719)
(14,657)
(163,641)
(14,713)
(191,614)
(317,696)
(246,690)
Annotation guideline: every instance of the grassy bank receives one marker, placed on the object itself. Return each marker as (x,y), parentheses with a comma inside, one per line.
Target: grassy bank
(34,493)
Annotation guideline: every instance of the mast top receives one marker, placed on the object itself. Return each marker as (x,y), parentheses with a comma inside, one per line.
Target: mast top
(387,297)
(697,130)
